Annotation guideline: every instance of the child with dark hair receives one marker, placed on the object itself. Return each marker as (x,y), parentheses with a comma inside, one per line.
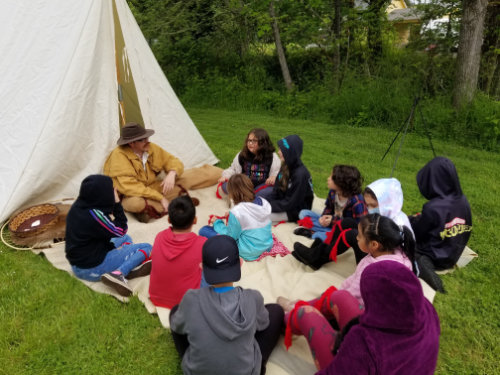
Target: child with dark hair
(444,227)
(383,196)
(398,333)
(344,200)
(257,160)
(224,329)
(176,256)
(248,222)
(97,246)
(292,191)
(382,240)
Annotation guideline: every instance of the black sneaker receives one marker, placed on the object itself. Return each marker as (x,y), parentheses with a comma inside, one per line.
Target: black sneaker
(301,231)
(118,283)
(143,269)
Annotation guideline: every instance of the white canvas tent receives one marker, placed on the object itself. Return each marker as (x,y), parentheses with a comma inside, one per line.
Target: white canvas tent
(63,65)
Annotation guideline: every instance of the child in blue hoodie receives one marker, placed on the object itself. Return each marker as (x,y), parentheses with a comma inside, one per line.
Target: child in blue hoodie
(292,191)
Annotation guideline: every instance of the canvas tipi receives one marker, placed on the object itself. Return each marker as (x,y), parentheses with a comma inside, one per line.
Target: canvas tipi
(71,73)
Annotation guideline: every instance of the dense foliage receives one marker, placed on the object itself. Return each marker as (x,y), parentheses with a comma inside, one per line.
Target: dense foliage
(344,62)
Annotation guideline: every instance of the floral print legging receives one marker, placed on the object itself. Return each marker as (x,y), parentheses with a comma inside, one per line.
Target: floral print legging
(314,324)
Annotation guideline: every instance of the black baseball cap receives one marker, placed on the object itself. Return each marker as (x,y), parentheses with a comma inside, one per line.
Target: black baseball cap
(221,260)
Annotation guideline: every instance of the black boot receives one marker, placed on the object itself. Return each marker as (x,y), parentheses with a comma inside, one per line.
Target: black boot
(427,273)
(314,257)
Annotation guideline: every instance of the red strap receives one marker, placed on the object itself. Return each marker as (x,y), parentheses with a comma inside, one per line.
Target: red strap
(262,187)
(281,222)
(306,222)
(333,252)
(329,235)
(225,218)
(217,194)
(288,330)
(319,303)
(145,255)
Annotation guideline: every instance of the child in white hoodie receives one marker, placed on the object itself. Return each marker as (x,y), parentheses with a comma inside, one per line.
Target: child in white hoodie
(383,196)
(248,222)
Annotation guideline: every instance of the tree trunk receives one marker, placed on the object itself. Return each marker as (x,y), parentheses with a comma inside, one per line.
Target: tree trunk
(491,45)
(279,48)
(336,53)
(469,51)
(376,9)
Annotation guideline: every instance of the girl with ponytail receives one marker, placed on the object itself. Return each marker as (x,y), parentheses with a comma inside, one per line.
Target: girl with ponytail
(382,240)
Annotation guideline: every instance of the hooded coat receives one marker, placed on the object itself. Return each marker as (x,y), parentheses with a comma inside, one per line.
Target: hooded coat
(444,227)
(390,200)
(299,193)
(175,267)
(249,224)
(399,331)
(220,328)
(89,226)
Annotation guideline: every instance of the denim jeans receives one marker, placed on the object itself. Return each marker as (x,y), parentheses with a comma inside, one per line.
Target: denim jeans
(207,231)
(319,230)
(123,258)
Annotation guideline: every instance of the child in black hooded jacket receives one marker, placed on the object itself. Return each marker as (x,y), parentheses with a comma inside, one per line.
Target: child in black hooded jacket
(292,191)
(444,226)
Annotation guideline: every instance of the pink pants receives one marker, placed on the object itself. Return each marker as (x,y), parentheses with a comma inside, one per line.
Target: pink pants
(314,324)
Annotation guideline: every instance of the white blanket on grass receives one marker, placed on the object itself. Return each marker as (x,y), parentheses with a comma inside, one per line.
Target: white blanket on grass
(273,277)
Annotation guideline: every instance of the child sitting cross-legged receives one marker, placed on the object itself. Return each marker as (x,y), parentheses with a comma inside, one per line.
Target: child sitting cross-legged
(383,196)
(249,220)
(344,200)
(224,329)
(176,256)
(384,242)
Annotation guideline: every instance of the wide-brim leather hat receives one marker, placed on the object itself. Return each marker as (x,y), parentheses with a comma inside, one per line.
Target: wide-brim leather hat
(133,131)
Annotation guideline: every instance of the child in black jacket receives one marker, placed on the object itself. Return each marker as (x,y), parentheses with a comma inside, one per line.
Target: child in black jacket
(97,246)
(444,226)
(292,190)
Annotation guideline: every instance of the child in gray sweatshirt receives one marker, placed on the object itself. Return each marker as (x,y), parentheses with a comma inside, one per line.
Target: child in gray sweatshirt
(224,329)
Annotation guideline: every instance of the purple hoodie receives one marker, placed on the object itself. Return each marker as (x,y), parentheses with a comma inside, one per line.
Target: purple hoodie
(398,332)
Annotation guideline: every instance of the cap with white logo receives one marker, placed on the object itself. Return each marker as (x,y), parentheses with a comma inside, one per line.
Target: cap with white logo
(221,260)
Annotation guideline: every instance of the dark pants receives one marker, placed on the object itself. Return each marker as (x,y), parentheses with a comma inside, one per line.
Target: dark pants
(266,338)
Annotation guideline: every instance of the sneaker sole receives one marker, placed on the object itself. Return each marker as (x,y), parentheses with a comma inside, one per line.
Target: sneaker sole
(143,269)
(122,290)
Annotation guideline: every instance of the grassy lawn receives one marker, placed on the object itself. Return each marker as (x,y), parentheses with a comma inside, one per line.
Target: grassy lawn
(51,323)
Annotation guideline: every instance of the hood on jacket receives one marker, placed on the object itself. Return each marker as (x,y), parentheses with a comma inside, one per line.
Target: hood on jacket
(233,321)
(175,243)
(251,215)
(291,148)
(439,178)
(389,196)
(394,299)
(96,191)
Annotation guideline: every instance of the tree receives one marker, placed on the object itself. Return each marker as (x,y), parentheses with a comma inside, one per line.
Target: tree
(490,65)
(279,48)
(469,51)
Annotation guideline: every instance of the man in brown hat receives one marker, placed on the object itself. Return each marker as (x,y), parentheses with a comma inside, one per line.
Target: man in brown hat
(134,166)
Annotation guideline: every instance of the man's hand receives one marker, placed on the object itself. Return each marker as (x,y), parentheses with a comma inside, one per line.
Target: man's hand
(271,180)
(164,203)
(168,182)
(325,220)
(117,197)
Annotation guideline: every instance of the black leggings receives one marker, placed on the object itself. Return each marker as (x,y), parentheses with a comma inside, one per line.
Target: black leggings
(266,338)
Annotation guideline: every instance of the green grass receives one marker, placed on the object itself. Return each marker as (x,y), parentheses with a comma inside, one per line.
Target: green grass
(51,323)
